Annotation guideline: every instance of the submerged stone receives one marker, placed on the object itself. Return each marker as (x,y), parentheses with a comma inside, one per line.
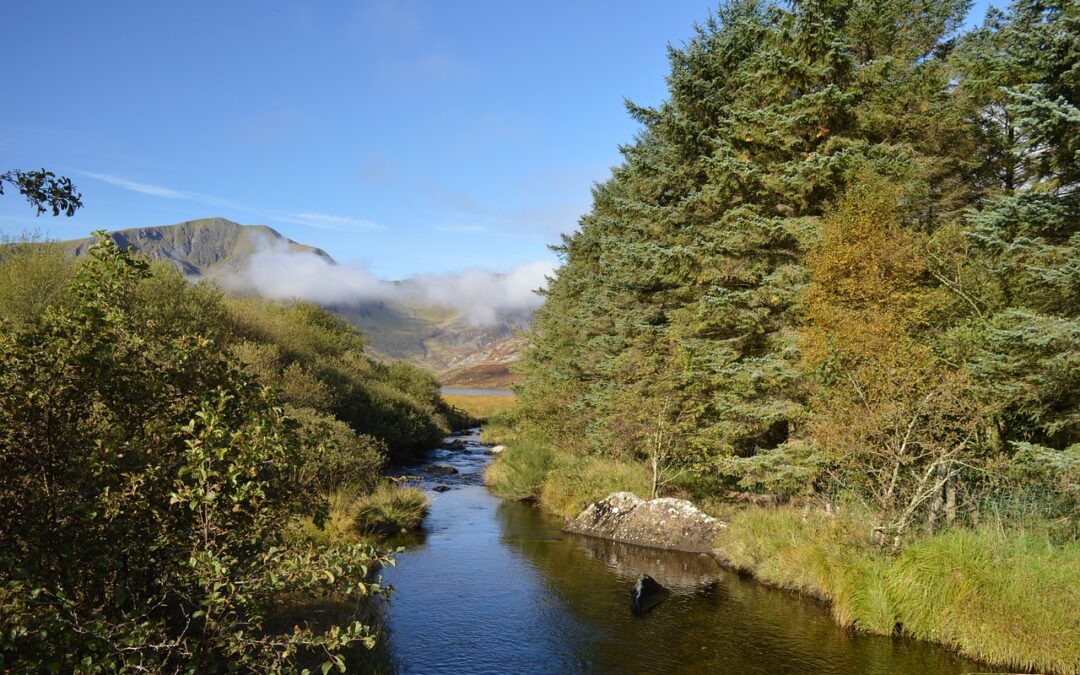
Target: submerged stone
(440,468)
(646,594)
(441,488)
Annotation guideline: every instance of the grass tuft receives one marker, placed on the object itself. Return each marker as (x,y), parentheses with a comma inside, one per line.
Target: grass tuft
(391,509)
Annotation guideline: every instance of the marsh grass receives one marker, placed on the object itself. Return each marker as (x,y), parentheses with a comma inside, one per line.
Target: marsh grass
(482,407)
(1011,599)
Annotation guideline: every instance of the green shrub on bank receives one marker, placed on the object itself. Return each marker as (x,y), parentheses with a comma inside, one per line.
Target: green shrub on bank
(1007,598)
(146,486)
(317,361)
(334,456)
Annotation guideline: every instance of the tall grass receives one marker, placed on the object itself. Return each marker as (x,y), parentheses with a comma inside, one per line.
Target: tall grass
(1007,598)
(519,472)
(562,483)
(1012,599)
(574,482)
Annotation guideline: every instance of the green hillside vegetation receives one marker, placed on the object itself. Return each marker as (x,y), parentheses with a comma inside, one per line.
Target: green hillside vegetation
(176,463)
(837,271)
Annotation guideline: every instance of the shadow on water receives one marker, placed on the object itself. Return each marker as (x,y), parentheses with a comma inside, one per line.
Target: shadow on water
(497,587)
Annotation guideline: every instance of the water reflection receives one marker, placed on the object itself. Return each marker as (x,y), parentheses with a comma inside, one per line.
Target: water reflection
(496,587)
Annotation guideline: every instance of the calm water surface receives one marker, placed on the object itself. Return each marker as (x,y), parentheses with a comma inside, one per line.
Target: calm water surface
(496,587)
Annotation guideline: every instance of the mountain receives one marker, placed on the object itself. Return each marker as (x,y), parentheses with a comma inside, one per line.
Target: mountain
(198,248)
(437,338)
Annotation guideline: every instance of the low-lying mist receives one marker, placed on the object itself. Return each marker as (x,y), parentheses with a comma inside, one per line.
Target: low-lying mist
(482,296)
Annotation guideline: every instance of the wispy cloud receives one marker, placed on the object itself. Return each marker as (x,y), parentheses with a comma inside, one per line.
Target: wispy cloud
(324,221)
(142,188)
(328,221)
(464,229)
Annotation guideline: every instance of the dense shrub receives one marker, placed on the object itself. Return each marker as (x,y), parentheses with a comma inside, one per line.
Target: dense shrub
(146,485)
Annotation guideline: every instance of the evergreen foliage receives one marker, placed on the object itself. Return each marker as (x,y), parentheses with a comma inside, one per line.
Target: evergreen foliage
(842,258)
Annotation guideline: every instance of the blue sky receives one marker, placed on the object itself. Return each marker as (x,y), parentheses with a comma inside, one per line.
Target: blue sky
(407,136)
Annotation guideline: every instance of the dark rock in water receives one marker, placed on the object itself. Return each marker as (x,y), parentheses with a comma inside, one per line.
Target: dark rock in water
(441,488)
(456,444)
(646,594)
(440,468)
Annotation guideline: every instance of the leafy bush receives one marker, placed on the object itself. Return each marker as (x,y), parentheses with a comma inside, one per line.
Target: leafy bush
(33,275)
(333,456)
(146,486)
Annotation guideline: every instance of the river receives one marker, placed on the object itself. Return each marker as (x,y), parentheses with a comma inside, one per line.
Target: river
(491,586)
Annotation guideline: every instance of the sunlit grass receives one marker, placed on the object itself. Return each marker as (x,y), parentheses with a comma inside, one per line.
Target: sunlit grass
(561,482)
(519,472)
(1007,598)
(575,482)
(392,508)
(481,406)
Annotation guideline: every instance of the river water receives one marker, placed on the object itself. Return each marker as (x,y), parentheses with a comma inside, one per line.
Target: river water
(491,586)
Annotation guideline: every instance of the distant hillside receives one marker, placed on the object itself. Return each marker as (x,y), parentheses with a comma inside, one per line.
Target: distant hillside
(442,340)
(204,247)
(439,339)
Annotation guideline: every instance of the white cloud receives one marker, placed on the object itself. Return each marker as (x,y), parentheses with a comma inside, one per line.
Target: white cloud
(276,271)
(483,295)
(463,229)
(143,188)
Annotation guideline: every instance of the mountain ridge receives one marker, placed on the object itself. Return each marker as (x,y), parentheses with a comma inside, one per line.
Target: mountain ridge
(440,339)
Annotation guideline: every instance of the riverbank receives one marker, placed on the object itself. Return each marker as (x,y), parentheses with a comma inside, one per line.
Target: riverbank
(489,585)
(1006,598)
